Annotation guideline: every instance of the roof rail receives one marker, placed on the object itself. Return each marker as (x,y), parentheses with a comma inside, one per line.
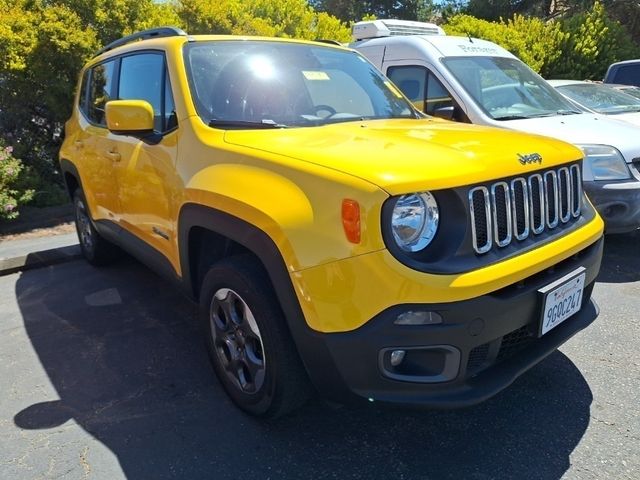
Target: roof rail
(329,42)
(144,35)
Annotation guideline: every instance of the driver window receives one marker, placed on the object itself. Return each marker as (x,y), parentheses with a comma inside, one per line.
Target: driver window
(141,78)
(424,90)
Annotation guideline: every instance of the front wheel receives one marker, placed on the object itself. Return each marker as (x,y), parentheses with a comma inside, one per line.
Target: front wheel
(248,341)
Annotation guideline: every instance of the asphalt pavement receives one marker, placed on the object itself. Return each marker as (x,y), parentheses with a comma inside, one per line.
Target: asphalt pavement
(103,376)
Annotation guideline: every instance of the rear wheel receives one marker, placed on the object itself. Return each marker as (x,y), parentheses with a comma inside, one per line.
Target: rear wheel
(248,341)
(96,249)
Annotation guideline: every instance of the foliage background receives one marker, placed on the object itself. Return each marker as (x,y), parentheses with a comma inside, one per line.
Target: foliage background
(44,43)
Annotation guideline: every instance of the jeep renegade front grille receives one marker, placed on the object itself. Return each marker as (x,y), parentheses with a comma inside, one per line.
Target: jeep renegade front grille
(506,211)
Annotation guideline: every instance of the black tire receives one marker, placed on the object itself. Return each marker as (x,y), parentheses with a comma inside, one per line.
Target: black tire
(244,292)
(96,249)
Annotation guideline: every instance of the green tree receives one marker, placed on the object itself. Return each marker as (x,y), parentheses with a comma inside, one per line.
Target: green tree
(353,11)
(111,19)
(10,194)
(281,18)
(594,41)
(534,41)
(41,51)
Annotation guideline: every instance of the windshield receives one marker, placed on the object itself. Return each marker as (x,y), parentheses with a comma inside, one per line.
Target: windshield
(264,84)
(506,89)
(633,91)
(601,98)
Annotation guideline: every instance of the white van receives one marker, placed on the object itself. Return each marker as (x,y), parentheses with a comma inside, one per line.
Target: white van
(476,81)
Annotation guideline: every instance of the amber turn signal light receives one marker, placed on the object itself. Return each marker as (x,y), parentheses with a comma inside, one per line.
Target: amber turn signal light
(351,220)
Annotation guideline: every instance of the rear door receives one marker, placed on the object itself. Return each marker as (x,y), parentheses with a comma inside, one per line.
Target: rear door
(97,163)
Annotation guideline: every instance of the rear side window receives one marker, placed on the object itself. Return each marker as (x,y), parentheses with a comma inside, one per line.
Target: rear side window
(100,91)
(84,88)
(627,75)
(143,77)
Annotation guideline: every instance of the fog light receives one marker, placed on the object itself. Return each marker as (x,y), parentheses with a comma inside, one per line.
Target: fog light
(418,318)
(396,357)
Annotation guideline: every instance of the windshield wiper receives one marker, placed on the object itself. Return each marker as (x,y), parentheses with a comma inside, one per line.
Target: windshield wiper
(568,112)
(538,115)
(240,124)
(511,117)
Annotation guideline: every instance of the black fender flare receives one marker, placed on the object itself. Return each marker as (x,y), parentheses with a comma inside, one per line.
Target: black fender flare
(67,167)
(310,344)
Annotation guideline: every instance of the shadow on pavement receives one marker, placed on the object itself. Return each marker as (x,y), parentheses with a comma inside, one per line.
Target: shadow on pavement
(621,259)
(122,349)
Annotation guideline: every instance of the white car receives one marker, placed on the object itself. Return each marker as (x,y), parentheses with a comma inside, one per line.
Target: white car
(476,81)
(600,98)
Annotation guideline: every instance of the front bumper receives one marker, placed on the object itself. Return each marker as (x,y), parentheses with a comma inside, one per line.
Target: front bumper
(618,203)
(491,340)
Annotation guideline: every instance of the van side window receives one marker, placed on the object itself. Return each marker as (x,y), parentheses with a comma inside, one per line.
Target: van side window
(143,77)
(100,91)
(423,88)
(412,81)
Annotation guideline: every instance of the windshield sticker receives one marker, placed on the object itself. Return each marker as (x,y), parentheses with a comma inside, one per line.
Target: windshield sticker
(315,75)
(394,89)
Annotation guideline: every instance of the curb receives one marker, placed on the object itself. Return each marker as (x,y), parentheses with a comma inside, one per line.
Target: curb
(40,259)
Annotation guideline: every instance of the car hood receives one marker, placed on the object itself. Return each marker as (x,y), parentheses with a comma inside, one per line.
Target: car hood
(410,155)
(629,117)
(584,128)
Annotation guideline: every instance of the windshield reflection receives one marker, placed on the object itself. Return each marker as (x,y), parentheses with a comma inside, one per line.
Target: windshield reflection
(253,84)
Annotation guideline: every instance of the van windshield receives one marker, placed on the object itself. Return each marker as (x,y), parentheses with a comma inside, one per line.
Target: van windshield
(267,84)
(506,89)
(601,98)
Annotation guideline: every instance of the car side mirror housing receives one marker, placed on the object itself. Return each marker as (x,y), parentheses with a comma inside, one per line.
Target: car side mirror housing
(444,112)
(130,117)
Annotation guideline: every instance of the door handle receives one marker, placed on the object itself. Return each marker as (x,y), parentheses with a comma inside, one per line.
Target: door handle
(113,155)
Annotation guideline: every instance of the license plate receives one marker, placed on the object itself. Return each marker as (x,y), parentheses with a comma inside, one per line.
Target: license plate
(561,299)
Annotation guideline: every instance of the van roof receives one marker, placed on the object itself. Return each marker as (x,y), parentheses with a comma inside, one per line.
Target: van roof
(446,46)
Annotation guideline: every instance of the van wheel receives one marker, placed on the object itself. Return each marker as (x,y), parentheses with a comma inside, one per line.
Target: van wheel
(248,341)
(96,249)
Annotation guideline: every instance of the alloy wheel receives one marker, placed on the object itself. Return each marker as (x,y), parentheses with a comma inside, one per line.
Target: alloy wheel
(237,341)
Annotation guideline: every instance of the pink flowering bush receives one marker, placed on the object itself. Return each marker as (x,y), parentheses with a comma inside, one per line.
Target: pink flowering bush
(10,196)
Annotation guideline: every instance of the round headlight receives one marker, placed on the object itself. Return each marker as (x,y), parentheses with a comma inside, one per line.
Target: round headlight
(414,221)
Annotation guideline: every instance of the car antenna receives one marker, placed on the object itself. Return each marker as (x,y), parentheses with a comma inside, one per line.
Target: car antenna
(469,37)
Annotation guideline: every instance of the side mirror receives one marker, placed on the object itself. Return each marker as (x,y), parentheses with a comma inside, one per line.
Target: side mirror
(130,117)
(444,112)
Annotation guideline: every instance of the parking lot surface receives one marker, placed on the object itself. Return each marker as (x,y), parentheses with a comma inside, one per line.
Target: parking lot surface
(103,375)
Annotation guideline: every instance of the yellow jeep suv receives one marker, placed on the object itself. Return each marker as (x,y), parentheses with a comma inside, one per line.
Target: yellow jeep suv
(336,239)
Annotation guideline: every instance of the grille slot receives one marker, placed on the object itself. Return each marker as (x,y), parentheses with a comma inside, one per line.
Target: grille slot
(537,203)
(576,183)
(502,212)
(520,201)
(564,187)
(551,198)
(480,207)
(501,209)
